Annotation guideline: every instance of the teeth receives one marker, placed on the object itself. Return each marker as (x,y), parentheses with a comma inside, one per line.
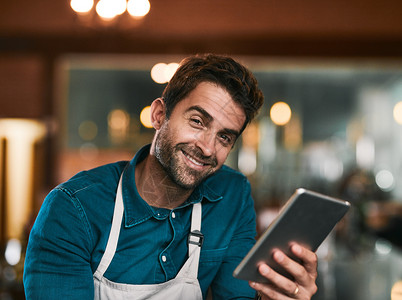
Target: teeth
(194,161)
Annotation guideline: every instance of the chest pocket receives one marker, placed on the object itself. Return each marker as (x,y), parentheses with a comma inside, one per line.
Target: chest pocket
(212,257)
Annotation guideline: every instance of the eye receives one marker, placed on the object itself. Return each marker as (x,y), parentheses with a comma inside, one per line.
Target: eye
(225,139)
(196,122)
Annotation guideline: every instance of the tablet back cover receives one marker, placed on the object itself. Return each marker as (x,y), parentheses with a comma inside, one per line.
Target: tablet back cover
(307,218)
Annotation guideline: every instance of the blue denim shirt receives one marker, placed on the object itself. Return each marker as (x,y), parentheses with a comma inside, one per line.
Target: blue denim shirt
(70,234)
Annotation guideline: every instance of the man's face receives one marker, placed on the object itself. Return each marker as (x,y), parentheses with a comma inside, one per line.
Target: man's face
(197,138)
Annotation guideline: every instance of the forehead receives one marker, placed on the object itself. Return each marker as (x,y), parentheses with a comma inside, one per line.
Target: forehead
(216,101)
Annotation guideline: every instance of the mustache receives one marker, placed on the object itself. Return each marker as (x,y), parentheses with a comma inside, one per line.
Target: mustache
(198,154)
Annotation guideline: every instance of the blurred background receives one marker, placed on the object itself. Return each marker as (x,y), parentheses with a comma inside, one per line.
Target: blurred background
(76,78)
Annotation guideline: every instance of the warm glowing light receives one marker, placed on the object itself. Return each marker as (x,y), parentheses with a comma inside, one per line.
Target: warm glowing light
(138,8)
(81,6)
(145,117)
(293,133)
(106,9)
(109,9)
(21,136)
(280,113)
(118,125)
(396,291)
(158,73)
(118,119)
(120,6)
(398,112)
(162,73)
(170,70)
(88,130)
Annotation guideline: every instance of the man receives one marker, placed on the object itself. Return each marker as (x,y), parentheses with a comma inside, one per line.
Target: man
(172,223)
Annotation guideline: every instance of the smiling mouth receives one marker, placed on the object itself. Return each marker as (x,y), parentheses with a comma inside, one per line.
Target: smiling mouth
(193,160)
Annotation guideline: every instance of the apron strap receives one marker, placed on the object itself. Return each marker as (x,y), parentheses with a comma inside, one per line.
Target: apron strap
(195,238)
(114,233)
(195,241)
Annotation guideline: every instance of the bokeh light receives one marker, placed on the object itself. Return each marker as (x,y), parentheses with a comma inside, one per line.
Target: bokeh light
(13,252)
(138,8)
(145,117)
(81,6)
(396,290)
(280,113)
(107,9)
(118,119)
(170,70)
(88,130)
(385,180)
(162,73)
(158,73)
(398,112)
(120,6)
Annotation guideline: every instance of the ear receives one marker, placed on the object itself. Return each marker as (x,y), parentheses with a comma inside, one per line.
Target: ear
(158,113)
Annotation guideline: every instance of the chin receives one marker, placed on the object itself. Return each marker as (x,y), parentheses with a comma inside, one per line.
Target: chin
(185,183)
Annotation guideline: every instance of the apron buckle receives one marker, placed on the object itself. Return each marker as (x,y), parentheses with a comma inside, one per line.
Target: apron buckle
(196,238)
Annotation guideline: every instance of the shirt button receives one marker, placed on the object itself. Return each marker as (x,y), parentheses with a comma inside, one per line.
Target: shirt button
(164,258)
(173,215)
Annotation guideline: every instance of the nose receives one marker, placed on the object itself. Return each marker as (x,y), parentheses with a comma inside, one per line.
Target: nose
(206,142)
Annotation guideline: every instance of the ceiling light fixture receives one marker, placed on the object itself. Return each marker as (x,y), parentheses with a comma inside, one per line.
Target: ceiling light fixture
(110,9)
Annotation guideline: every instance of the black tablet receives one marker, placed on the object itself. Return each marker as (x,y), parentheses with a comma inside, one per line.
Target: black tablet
(307,218)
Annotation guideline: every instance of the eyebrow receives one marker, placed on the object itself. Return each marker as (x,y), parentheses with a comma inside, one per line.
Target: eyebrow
(210,118)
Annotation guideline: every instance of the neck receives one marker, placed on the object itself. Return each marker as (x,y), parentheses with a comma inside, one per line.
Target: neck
(156,187)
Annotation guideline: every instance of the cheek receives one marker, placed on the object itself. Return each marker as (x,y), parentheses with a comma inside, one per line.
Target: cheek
(221,155)
(188,136)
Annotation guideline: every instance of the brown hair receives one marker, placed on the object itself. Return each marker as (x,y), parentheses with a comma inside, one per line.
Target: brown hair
(224,71)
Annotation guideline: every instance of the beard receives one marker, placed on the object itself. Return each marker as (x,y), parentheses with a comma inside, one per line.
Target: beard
(170,158)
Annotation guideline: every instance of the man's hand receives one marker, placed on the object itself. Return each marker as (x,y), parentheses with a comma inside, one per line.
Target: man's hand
(304,274)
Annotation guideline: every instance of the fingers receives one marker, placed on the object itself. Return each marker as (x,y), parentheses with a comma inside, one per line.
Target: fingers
(308,258)
(303,272)
(292,267)
(280,287)
(268,291)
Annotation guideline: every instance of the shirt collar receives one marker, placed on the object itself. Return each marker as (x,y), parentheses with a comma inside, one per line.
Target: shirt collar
(136,210)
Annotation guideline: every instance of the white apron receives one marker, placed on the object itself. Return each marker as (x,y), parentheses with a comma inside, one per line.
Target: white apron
(184,286)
